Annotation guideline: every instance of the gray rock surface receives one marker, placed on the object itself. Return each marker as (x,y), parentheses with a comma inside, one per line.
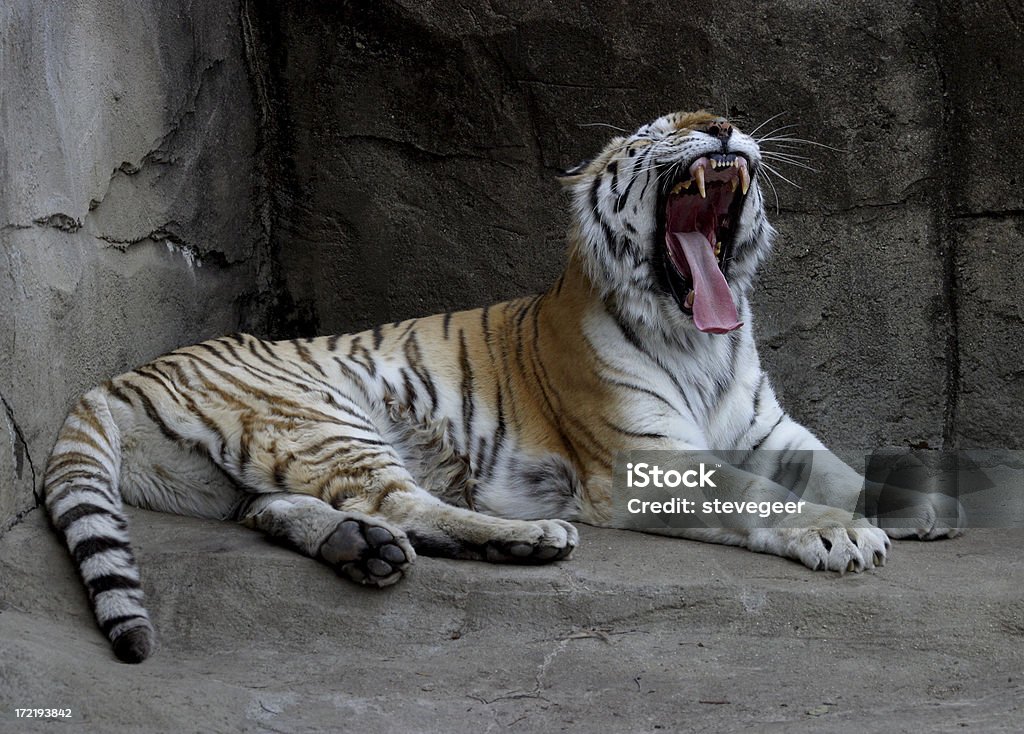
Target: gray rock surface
(132,212)
(633,634)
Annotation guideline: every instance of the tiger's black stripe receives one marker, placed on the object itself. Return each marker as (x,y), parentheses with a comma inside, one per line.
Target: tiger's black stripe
(771,430)
(414,357)
(91,546)
(154,415)
(633,434)
(306,357)
(468,403)
(756,413)
(637,344)
(610,237)
(110,582)
(77,512)
(108,625)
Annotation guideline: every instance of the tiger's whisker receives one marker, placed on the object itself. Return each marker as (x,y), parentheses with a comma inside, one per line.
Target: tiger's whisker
(786,148)
(780,114)
(803,141)
(601,124)
(767,135)
(780,175)
(787,161)
(775,191)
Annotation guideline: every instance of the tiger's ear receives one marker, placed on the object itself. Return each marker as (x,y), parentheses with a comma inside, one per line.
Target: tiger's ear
(569,176)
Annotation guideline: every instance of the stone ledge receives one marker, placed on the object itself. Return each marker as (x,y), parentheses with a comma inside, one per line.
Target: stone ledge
(634,633)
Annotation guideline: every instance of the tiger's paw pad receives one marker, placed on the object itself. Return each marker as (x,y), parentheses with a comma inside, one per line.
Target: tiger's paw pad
(369,553)
(547,540)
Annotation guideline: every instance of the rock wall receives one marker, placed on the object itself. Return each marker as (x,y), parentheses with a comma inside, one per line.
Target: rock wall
(169,171)
(420,142)
(132,215)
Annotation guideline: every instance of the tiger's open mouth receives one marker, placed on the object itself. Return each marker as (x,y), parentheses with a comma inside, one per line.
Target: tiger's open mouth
(699,216)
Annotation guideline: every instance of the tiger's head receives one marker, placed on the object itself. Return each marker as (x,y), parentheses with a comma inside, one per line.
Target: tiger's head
(670,224)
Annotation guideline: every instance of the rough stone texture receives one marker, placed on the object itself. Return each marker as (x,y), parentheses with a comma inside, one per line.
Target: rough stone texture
(990,272)
(984,184)
(853,351)
(984,40)
(255,638)
(130,207)
(412,129)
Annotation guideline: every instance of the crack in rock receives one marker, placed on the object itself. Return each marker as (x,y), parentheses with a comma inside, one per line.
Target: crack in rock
(59,220)
(22,456)
(158,154)
(194,255)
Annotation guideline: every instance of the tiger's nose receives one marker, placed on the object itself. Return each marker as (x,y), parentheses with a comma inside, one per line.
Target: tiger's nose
(720,128)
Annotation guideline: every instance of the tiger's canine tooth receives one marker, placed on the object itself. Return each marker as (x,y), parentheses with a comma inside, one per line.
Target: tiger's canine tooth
(744,179)
(699,175)
(732,184)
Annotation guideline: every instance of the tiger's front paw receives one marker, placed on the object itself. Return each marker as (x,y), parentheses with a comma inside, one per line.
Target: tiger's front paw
(831,544)
(368,551)
(930,516)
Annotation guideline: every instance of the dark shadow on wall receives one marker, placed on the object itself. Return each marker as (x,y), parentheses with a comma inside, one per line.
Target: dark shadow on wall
(416,146)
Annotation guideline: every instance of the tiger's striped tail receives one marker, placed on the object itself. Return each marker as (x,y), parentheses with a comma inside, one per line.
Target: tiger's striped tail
(84,503)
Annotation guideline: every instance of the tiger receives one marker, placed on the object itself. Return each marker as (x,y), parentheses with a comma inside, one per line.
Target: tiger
(480,434)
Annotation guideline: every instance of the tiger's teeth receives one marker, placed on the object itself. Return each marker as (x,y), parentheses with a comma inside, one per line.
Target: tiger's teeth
(733,183)
(718,249)
(699,175)
(689,299)
(681,186)
(744,180)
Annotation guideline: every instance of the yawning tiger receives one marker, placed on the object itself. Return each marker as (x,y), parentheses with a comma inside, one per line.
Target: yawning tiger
(479,434)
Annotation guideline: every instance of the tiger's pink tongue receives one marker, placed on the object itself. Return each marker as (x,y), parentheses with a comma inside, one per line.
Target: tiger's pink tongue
(713,307)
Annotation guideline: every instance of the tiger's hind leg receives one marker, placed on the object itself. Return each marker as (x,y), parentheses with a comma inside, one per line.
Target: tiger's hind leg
(365,475)
(436,528)
(365,549)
